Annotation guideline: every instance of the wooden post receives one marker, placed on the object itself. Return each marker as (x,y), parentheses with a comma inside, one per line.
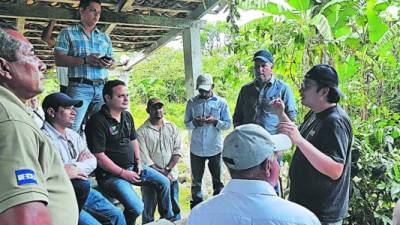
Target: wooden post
(192,57)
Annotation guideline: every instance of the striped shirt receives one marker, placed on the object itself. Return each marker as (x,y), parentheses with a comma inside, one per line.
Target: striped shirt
(73,41)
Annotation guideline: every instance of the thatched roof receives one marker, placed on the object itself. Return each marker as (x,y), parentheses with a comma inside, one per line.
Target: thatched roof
(133,25)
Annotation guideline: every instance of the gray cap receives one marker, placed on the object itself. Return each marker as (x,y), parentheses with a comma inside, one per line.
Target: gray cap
(204,82)
(250,144)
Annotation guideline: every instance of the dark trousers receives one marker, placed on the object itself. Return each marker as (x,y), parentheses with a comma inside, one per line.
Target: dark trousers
(197,164)
(81,188)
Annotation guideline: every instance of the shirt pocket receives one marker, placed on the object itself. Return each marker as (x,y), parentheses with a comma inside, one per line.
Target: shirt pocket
(198,111)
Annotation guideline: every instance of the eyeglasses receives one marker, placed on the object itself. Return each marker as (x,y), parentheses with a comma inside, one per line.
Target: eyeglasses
(71,149)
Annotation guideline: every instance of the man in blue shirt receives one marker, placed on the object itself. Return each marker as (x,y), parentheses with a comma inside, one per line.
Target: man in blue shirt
(206,115)
(253,104)
(86,51)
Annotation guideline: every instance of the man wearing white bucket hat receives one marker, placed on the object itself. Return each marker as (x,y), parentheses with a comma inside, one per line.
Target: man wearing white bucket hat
(250,154)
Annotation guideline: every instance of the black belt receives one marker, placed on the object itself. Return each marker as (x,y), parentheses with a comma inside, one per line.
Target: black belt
(86,81)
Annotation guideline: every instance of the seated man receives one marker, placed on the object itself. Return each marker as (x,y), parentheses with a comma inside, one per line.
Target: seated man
(160,148)
(111,136)
(250,154)
(78,161)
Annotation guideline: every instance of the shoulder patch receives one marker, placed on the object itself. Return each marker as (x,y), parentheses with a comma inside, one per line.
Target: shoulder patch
(25,176)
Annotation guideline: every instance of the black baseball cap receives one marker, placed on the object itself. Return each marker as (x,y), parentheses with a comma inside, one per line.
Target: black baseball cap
(59,99)
(324,74)
(264,56)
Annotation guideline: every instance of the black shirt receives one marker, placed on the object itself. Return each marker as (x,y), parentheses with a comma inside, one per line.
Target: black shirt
(106,134)
(330,132)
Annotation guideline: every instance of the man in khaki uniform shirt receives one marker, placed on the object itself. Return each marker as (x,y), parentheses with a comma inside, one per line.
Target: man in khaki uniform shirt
(160,148)
(34,188)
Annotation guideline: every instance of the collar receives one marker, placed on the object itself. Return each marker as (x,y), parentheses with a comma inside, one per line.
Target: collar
(148,124)
(212,98)
(267,84)
(13,98)
(250,187)
(106,111)
(327,111)
(53,131)
(80,26)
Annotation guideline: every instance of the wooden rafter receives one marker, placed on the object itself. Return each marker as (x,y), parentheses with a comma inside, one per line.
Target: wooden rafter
(121,7)
(62,14)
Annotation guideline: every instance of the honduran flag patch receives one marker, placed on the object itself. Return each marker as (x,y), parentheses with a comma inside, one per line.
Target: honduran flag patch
(25,176)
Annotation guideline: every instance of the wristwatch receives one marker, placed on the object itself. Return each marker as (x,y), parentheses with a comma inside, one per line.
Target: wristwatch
(168,169)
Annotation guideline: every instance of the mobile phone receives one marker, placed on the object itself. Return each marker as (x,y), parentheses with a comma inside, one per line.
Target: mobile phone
(106,57)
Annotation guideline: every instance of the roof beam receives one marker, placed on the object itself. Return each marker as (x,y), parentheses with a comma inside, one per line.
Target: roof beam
(120,7)
(201,10)
(45,12)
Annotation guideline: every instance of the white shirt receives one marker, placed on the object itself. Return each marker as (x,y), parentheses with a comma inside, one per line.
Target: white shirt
(250,202)
(37,115)
(66,153)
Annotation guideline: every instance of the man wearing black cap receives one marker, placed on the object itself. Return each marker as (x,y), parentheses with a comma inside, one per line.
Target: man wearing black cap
(253,103)
(78,161)
(160,146)
(320,169)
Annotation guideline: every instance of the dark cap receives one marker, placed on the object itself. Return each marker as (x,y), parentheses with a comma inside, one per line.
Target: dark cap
(264,56)
(323,74)
(59,99)
(153,102)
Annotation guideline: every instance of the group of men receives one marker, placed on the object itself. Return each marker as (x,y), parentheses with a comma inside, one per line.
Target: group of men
(38,188)
(46,171)
(319,173)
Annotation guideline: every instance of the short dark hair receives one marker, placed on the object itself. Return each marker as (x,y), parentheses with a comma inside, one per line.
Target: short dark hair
(8,45)
(108,87)
(85,3)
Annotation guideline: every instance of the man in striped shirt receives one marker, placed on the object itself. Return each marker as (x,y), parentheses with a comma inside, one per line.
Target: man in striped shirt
(87,52)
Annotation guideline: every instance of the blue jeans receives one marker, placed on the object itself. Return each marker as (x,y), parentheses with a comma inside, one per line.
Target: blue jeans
(81,189)
(89,95)
(98,210)
(123,191)
(151,196)
(197,164)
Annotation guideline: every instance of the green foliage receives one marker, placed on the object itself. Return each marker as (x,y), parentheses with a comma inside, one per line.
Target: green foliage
(361,40)
(376,182)
(162,75)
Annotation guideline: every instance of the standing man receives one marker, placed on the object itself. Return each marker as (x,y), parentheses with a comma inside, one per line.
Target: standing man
(62,72)
(320,170)
(250,154)
(87,52)
(77,159)
(206,115)
(112,137)
(34,188)
(253,103)
(160,148)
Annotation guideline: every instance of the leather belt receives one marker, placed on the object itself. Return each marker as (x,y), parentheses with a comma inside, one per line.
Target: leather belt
(86,81)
